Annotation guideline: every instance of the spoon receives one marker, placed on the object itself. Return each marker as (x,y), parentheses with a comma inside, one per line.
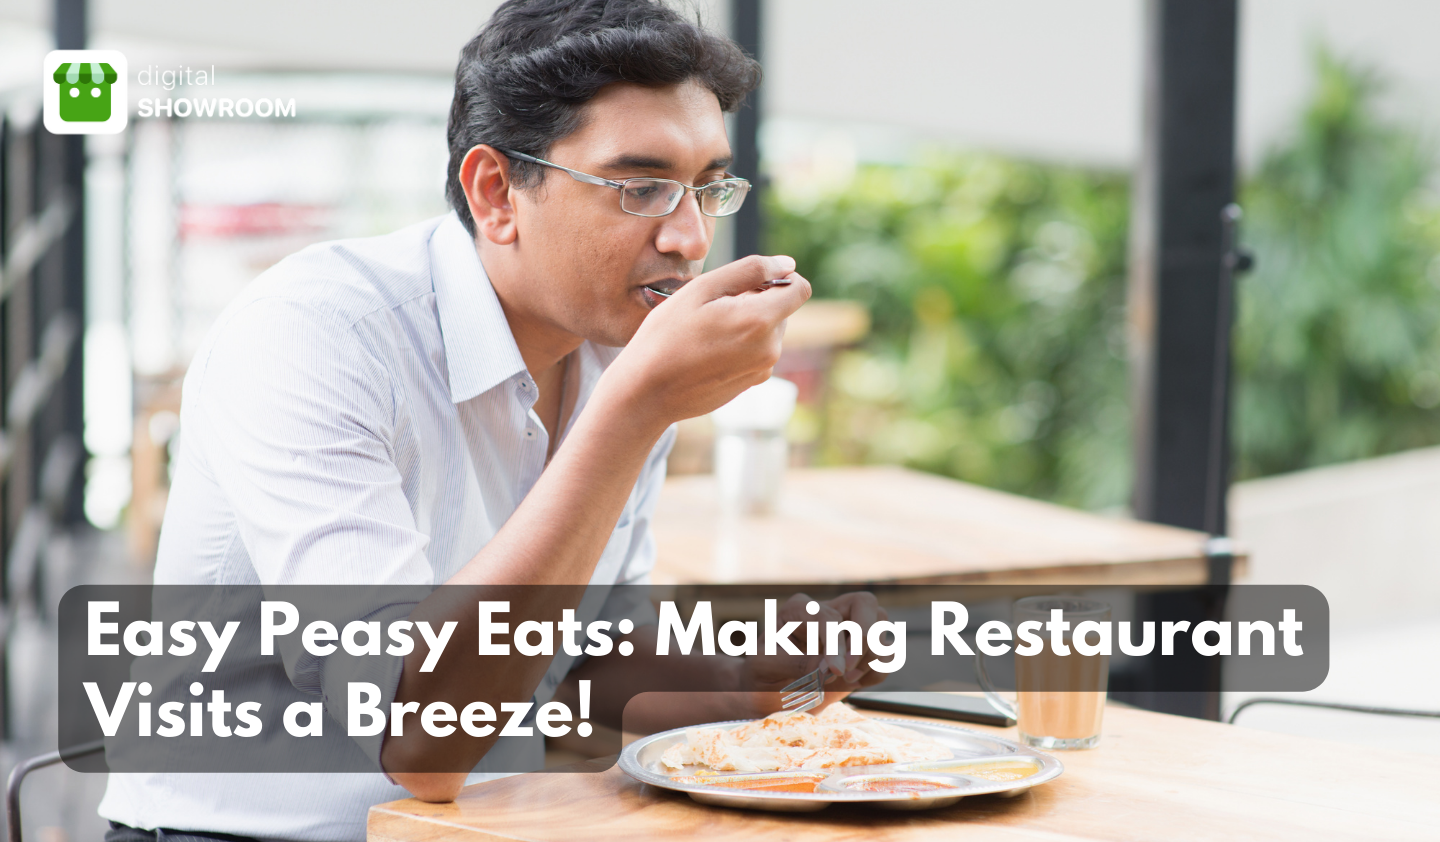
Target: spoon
(782,282)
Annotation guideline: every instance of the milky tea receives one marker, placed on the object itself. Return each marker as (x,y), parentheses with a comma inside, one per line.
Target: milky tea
(1060,718)
(1060,699)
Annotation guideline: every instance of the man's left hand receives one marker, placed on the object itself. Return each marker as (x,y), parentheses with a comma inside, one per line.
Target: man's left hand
(845,672)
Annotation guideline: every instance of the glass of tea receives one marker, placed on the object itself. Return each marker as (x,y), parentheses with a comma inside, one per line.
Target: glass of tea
(1059,693)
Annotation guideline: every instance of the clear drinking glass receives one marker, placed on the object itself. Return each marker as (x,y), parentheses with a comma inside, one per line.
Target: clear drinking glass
(749,465)
(1059,699)
(750,447)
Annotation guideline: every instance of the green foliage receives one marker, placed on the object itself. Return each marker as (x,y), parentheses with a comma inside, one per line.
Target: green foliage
(997,292)
(1337,349)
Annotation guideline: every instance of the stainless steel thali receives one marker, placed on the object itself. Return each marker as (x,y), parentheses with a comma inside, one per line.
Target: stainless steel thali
(641,760)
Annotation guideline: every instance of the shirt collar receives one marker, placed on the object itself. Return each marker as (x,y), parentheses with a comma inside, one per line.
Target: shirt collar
(480,350)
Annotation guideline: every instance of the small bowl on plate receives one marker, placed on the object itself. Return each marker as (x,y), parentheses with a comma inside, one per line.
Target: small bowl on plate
(903,790)
(985,771)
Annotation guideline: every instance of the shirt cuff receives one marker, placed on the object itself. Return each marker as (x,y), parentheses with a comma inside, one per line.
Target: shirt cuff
(339,670)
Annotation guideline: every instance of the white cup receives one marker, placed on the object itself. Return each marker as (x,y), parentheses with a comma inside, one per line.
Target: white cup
(751,452)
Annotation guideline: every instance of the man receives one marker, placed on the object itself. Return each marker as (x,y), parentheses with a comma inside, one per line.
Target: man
(482,399)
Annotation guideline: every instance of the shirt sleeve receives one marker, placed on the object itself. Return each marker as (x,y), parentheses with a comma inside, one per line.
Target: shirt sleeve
(632,599)
(294,419)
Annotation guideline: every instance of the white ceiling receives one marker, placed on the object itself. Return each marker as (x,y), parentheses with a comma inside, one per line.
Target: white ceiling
(417,35)
(1056,79)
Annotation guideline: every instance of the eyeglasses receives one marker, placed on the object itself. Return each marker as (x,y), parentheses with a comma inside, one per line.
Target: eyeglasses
(659,196)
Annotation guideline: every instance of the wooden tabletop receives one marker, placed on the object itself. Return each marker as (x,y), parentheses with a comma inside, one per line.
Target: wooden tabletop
(1153,776)
(888,524)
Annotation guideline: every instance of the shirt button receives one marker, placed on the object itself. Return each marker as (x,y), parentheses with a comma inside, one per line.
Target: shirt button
(529,432)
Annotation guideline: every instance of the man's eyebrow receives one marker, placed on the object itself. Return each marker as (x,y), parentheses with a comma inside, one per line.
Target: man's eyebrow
(648,162)
(636,162)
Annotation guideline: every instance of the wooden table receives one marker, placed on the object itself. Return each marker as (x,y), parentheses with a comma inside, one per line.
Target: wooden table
(1154,776)
(888,524)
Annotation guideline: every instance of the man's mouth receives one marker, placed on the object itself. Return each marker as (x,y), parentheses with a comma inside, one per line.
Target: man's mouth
(658,291)
(666,287)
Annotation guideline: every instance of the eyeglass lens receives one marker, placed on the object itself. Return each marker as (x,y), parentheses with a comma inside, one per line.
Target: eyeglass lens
(658,197)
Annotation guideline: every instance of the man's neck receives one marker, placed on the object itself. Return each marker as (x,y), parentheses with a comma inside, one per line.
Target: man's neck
(542,344)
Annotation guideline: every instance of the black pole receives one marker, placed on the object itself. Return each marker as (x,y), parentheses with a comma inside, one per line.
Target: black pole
(745,27)
(72,24)
(72,32)
(1182,261)
(1179,275)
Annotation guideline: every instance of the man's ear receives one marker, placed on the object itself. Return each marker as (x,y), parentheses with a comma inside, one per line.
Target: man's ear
(485,178)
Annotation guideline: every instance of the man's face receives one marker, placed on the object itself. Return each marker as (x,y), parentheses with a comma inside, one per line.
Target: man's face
(585,263)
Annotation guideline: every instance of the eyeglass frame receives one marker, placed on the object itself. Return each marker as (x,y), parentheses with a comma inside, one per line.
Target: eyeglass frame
(620,185)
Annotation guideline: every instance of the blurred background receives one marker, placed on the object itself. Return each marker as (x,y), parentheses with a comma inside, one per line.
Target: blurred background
(966,182)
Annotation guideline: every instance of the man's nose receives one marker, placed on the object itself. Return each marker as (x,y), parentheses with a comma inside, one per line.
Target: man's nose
(686,231)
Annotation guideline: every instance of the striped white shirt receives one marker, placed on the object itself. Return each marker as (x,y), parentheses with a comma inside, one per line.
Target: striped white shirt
(360,414)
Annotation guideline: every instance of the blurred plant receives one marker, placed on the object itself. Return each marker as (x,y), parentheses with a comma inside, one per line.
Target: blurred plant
(996,290)
(1337,351)
(997,293)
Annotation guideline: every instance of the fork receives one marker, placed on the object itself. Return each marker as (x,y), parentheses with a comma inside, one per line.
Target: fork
(806,692)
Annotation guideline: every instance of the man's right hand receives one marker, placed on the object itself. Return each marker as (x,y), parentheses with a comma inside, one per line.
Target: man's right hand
(716,337)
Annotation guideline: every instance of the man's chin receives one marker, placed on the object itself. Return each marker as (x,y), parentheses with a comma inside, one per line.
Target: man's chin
(617,331)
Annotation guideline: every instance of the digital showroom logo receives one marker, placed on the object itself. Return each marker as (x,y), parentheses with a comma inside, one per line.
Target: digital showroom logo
(86,92)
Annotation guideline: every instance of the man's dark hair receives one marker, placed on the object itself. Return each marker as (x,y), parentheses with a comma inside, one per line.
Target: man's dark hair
(522,82)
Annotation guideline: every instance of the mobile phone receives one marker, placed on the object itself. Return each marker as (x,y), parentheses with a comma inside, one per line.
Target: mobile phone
(941,705)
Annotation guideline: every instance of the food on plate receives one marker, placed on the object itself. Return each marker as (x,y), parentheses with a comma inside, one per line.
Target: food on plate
(789,740)
(757,783)
(997,770)
(901,785)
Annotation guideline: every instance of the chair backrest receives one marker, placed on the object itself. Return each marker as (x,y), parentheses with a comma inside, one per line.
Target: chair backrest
(25,767)
(1306,703)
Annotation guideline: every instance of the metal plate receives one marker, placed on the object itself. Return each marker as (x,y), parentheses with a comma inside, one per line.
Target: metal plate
(641,761)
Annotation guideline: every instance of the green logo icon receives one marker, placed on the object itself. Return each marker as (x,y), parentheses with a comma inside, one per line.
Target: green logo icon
(85,91)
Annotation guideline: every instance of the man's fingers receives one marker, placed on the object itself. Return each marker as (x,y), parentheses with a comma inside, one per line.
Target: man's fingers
(863,609)
(795,609)
(837,661)
(743,275)
(780,302)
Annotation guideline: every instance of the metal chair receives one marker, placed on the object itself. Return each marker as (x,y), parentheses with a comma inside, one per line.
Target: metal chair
(25,767)
(1305,703)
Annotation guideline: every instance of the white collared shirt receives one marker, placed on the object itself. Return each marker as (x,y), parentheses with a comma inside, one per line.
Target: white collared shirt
(359,414)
